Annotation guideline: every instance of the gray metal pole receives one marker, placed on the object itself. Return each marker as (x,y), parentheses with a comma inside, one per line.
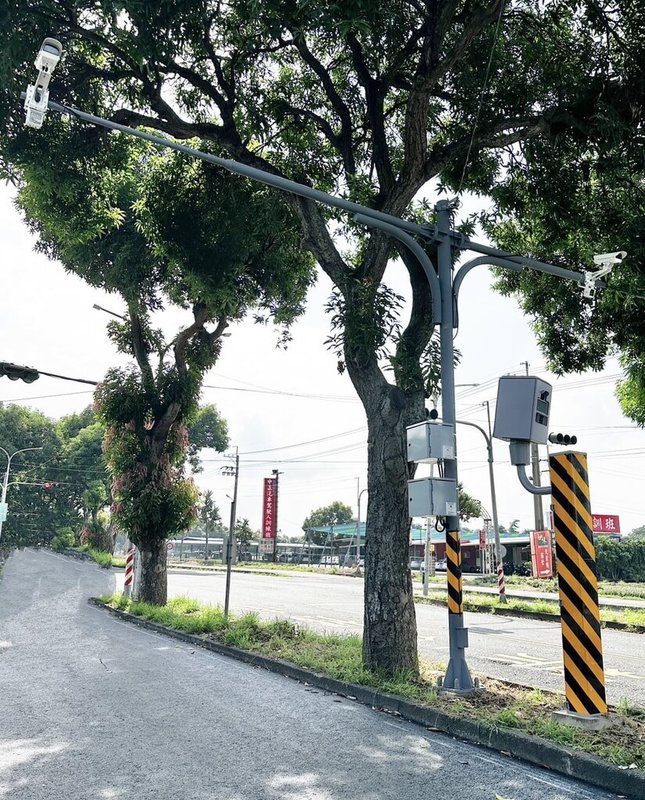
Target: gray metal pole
(231,534)
(457,677)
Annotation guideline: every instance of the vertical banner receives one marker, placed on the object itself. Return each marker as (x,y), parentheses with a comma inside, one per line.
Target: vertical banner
(269,515)
(541,554)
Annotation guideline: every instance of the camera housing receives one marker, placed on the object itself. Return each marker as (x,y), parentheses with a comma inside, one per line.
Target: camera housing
(605,259)
(37,94)
(50,53)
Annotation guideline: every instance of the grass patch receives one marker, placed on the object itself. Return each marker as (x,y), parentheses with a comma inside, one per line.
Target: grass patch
(628,591)
(490,604)
(502,704)
(102,558)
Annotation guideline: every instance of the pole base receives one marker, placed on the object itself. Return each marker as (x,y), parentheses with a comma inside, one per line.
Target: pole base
(456,691)
(588,722)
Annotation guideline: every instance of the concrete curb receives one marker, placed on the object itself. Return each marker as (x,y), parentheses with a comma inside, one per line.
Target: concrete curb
(572,763)
(500,611)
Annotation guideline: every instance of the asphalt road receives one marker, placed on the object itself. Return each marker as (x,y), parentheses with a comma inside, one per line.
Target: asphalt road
(97,709)
(524,651)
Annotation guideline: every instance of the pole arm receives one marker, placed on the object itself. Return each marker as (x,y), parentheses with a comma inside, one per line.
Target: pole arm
(514,263)
(526,483)
(435,233)
(236,167)
(489,444)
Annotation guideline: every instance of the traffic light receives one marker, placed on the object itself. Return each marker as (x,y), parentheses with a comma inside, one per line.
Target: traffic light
(48,486)
(18,373)
(562,438)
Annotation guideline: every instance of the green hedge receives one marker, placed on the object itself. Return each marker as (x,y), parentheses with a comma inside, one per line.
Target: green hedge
(620,561)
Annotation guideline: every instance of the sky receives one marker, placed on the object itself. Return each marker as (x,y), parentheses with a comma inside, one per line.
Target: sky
(292,411)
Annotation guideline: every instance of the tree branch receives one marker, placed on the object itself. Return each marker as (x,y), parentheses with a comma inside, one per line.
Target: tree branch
(374,97)
(335,99)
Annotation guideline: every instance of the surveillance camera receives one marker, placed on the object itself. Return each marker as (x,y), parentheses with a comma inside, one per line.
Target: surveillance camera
(37,95)
(604,259)
(36,101)
(48,56)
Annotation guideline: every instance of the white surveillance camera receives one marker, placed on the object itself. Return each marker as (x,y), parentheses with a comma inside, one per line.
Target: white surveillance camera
(37,95)
(604,259)
(48,56)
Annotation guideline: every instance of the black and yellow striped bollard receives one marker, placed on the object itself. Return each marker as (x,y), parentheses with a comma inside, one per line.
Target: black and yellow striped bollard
(584,674)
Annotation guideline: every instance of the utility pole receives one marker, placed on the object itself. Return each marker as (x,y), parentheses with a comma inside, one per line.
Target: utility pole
(535,474)
(235,473)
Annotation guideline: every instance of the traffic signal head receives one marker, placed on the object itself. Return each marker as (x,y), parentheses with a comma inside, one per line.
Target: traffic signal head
(562,438)
(48,486)
(18,373)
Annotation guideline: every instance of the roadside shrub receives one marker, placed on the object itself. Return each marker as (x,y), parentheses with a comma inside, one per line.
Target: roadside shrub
(63,539)
(620,561)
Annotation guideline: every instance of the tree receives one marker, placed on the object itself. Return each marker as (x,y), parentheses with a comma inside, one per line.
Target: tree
(637,533)
(48,487)
(208,429)
(209,514)
(336,513)
(468,506)
(145,225)
(372,100)
(244,535)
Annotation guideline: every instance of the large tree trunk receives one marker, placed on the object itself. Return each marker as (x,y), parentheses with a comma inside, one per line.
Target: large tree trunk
(390,630)
(153,585)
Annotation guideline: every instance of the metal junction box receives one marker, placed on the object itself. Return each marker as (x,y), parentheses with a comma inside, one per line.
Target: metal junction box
(431,441)
(523,407)
(433,497)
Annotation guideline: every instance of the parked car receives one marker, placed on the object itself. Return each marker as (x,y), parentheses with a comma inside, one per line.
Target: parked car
(416,563)
(440,566)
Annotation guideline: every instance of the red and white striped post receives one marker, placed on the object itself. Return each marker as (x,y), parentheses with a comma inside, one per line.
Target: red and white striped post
(501,584)
(129,570)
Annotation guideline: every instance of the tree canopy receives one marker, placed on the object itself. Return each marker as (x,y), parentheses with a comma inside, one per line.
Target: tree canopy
(371,100)
(49,489)
(335,513)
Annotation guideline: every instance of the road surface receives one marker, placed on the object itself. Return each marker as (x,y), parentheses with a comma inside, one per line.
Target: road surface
(96,709)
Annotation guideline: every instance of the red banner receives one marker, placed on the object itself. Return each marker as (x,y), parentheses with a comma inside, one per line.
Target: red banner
(270,509)
(541,554)
(482,540)
(605,523)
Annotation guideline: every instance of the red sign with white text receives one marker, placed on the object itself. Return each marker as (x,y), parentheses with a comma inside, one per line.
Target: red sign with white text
(270,509)
(605,523)
(541,554)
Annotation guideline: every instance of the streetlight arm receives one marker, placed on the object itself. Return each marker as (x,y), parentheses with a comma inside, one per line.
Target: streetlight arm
(489,444)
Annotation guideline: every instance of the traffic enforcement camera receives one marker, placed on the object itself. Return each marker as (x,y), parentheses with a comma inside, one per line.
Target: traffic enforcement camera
(523,408)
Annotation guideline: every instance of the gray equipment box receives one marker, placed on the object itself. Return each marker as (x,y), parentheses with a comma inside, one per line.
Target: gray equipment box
(430,441)
(523,407)
(433,497)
